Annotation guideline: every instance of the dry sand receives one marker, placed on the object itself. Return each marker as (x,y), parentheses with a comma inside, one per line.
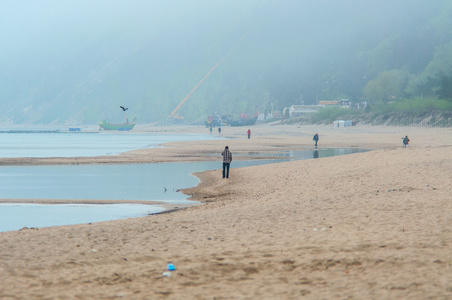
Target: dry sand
(374,225)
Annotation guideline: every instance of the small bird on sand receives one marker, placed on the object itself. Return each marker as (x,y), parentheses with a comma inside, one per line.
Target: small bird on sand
(124,108)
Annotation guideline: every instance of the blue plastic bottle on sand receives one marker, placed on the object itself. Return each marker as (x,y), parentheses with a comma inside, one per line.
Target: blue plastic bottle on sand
(171,267)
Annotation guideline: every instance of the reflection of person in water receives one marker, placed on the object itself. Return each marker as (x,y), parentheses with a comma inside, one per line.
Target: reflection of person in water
(316,154)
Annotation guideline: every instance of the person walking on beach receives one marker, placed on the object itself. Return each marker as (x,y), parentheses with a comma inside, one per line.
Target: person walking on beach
(210,129)
(316,138)
(227,158)
(405,141)
(249,133)
(219,130)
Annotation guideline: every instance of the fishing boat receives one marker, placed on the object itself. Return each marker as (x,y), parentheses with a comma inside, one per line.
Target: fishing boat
(106,125)
(126,126)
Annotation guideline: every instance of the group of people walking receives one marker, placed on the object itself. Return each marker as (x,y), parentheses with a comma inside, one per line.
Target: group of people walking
(211,129)
(219,131)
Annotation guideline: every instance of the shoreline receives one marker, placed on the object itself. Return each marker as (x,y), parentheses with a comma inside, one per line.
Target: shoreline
(372,225)
(189,150)
(166,205)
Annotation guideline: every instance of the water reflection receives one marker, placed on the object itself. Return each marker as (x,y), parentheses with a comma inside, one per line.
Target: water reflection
(309,153)
(316,154)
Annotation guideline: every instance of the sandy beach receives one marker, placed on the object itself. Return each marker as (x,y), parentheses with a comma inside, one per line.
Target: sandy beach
(373,225)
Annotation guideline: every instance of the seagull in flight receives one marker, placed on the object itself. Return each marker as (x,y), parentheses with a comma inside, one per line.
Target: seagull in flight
(124,108)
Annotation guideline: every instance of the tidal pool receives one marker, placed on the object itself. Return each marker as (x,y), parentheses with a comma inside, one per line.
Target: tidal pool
(145,182)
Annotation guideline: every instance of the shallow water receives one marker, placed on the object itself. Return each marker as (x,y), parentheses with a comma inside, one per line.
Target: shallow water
(148,182)
(312,153)
(67,144)
(17,216)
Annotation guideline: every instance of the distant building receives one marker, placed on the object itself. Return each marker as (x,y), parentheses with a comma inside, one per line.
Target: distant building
(264,116)
(360,105)
(343,103)
(328,102)
(343,123)
(298,110)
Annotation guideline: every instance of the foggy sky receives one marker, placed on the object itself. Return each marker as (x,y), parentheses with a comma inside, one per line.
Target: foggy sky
(61,59)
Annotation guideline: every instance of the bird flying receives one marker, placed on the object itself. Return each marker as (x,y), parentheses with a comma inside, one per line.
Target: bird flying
(124,108)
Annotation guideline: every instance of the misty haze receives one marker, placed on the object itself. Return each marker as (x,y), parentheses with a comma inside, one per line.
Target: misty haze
(76,62)
(337,117)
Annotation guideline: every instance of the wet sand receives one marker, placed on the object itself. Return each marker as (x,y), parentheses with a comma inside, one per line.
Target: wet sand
(374,225)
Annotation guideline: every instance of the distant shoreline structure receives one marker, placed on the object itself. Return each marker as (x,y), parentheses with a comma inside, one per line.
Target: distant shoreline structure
(120,127)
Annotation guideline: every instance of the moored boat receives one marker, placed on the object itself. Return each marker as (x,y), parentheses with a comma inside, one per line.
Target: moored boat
(121,127)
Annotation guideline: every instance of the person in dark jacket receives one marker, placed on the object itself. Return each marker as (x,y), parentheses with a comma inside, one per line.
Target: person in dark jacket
(405,141)
(316,138)
(227,158)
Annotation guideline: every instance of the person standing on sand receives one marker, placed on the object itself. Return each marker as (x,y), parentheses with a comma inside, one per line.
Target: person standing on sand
(249,133)
(219,130)
(227,158)
(405,141)
(210,129)
(316,138)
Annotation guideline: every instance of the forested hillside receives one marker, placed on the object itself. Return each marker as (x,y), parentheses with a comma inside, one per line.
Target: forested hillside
(75,62)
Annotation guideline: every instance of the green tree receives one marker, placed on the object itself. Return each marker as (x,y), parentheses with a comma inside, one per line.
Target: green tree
(435,75)
(445,88)
(387,86)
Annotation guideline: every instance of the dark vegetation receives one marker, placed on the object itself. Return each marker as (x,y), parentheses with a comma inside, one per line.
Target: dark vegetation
(408,112)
